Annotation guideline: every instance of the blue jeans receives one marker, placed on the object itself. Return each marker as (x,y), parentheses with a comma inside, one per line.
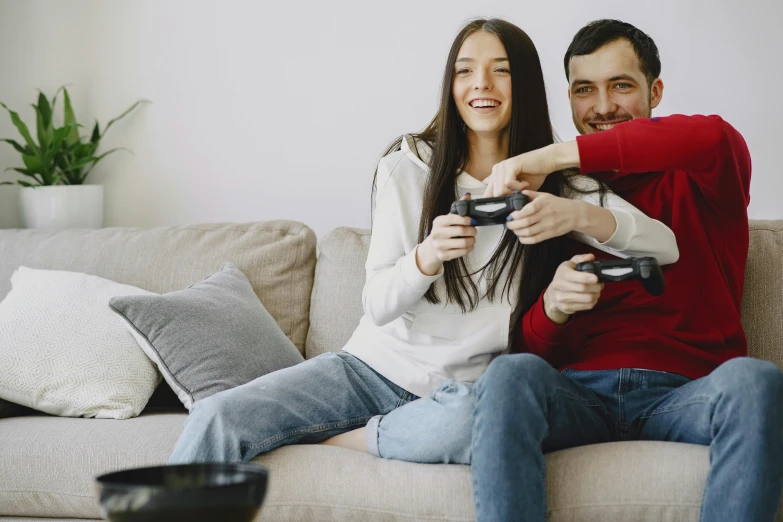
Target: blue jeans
(307,403)
(522,408)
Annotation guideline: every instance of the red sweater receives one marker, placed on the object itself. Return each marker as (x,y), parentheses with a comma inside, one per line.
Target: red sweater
(693,174)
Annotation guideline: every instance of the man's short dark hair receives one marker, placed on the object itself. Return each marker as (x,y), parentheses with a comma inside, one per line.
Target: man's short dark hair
(596,34)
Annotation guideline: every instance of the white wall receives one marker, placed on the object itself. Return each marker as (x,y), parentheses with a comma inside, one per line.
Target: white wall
(281,111)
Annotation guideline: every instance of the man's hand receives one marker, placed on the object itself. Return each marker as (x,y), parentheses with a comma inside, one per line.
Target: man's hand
(531,167)
(451,237)
(571,291)
(545,217)
(528,170)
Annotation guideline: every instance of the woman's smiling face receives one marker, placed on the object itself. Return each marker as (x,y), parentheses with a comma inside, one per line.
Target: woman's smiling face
(482,84)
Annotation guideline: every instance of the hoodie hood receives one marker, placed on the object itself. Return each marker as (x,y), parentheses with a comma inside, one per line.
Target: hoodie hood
(420,152)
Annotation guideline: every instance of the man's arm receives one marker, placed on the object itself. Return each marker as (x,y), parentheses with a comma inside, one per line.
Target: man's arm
(706,148)
(546,330)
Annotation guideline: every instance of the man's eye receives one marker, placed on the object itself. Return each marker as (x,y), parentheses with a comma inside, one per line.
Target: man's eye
(583,90)
(623,86)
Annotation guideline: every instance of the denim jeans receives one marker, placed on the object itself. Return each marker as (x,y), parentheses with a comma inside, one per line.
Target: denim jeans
(307,403)
(432,430)
(522,408)
(525,408)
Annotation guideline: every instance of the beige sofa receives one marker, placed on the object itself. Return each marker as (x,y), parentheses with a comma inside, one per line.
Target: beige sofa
(47,464)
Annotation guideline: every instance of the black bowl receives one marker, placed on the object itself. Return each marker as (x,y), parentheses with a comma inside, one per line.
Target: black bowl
(192,492)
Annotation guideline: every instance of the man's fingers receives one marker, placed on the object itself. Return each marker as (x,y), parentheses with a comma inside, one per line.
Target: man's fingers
(583,288)
(576,276)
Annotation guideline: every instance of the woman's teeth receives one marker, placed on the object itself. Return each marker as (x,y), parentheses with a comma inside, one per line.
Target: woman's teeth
(484,103)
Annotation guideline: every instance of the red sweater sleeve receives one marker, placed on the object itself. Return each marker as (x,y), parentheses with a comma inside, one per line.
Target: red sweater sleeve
(542,337)
(707,148)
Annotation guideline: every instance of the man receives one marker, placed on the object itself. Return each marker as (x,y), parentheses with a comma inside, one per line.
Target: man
(634,367)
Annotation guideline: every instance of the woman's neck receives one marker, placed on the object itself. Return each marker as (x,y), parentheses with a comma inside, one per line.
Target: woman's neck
(484,151)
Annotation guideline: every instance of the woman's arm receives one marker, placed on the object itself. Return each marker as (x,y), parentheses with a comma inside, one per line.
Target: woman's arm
(634,233)
(394,283)
(619,228)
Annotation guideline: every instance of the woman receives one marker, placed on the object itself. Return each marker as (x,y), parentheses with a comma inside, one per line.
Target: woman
(440,293)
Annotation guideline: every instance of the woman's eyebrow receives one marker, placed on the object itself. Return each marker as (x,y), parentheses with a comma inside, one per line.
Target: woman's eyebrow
(502,59)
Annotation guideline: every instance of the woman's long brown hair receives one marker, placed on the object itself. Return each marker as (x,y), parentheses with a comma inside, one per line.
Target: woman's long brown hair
(530,129)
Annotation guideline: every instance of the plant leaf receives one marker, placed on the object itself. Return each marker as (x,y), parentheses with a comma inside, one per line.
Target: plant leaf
(33,163)
(57,143)
(96,133)
(22,128)
(45,132)
(54,98)
(16,145)
(27,173)
(96,159)
(69,118)
(121,116)
(45,109)
(26,184)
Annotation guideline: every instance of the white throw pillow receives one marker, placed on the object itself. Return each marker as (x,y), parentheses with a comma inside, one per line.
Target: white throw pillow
(63,351)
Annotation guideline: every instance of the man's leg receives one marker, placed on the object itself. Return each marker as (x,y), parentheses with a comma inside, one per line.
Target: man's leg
(306,403)
(525,408)
(736,410)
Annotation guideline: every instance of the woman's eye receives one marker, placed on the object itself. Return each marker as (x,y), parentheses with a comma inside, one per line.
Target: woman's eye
(462,71)
(502,70)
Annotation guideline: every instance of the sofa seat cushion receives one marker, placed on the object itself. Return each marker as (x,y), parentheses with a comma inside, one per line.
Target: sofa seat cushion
(49,465)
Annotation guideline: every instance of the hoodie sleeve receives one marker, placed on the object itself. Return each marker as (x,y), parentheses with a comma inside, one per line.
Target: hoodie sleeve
(636,235)
(706,148)
(394,284)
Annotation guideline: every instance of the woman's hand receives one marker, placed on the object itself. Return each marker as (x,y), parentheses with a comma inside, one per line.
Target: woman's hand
(571,291)
(452,236)
(545,217)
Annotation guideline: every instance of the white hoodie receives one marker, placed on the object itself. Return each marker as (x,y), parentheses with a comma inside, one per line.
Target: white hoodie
(418,345)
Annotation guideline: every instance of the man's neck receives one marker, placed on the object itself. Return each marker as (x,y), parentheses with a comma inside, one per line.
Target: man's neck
(485,150)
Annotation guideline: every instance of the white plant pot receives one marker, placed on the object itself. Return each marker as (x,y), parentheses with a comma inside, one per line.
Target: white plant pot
(62,206)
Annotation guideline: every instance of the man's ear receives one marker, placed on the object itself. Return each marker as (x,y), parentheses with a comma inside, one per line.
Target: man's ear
(569,94)
(656,93)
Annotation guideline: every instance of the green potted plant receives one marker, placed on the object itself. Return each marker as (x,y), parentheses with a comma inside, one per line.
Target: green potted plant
(54,193)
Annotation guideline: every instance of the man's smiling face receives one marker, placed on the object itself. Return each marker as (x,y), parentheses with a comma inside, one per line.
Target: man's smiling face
(608,87)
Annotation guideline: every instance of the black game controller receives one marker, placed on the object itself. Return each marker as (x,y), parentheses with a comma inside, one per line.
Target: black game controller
(645,269)
(496,214)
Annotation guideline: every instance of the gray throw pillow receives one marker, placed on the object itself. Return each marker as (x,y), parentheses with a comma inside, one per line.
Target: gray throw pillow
(210,337)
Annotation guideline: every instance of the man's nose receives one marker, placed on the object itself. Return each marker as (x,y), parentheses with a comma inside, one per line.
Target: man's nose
(605,104)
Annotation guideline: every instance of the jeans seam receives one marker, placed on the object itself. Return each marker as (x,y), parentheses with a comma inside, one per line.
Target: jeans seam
(403,398)
(298,431)
(589,403)
(675,407)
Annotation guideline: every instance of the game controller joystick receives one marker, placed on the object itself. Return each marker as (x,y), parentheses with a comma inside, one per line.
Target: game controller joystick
(645,269)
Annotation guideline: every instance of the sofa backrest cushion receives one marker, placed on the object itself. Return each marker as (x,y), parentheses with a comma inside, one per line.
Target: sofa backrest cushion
(762,300)
(278,257)
(336,303)
(339,278)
